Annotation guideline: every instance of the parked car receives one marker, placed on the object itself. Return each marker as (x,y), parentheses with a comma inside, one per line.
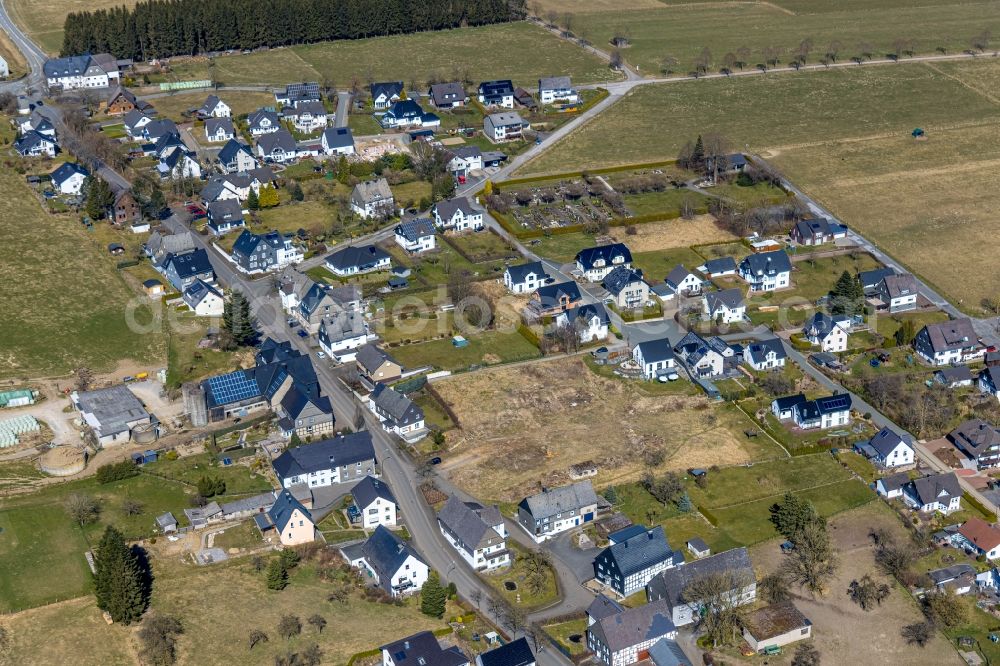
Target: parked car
(321,354)
(303,334)
(436,460)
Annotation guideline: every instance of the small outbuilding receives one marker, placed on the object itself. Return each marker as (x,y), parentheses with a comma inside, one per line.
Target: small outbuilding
(775,626)
(166,523)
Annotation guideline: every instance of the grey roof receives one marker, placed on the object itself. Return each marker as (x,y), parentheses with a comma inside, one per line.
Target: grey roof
(283,508)
(670,584)
(388,88)
(166,520)
(133,117)
(549,294)
(113,407)
(871,279)
(899,286)
(212,125)
(758,350)
(895,481)
(950,335)
(472,526)
(936,488)
(370,191)
(519,272)
(603,606)
(729,298)
(820,325)
(325,454)
(667,652)
(257,502)
(338,137)
(635,625)
(677,275)
(947,574)
(558,500)
(370,357)
(400,409)
(67,170)
(960,373)
(588,311)
(208,107)
(620,278)
(697,544)
(198,291)
(720,265)
(446,209)
(422,649)
(342,326)
(886,440)
(465,152)
(385,553)
(813,227)
(369,489)
(309,107)
(505,119)
(515,653)
(154,129)
(588,256)
(975,436)
(415,229)
(554,83)
(68,66)
(447,93)
(232,148)
(654,351)
(255,117)
(282,139)
(356,255)
(225,211)
(496,88)
(640,551)
(170,243)
(766,263)
(30,140)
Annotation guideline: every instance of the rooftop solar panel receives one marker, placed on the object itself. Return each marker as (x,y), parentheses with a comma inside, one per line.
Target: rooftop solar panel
(234,387)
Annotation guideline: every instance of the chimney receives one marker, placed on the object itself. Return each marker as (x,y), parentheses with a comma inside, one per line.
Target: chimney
(406,645)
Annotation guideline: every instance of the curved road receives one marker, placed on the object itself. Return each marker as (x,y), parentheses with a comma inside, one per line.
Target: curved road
(34,56)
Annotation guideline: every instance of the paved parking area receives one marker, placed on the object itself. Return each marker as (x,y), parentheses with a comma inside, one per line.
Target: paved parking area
(580,562)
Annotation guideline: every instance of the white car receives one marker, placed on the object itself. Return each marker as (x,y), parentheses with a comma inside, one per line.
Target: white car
(321,354)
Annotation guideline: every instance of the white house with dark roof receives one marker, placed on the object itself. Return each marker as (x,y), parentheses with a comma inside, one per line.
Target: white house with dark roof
(342,333)
(669,586)
(889,449)
(385,94)
(936,492)
(36,122)
(816,231)
(278,147)
(629,563)
(948,342)
(464,160)
(594,263)
(515,653)
(307,117)
(416,235)
(421,649)
(626,637)
(557,88)
(899,292)
(891,486)
(373,199)
(33,144)
(956,376)
(590,320)
(358,259)
(218,130)
(989,381)
(183,268)
(767,271)
(397,413)
(408,113)
(393,564)
(556,510)
(263,121)
(725,307)
(375,503)
(327,462)
(69,177)
(448,95)
(683,282)
(477,532)
(720,267)
(506,126)
(765,354)
(297,93)
(338,141)
(655,357)
(236,157)
(626,287)
(979,441)
(703,358)
(828,333)
(457,214)
(81,71)
(524,278)
(214,108)
(827,412)
(224,216)
(135,120)
(496,93)
(204,299)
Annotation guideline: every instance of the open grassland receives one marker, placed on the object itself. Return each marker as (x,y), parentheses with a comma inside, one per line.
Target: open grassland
(15,59)
(844,137)
(535,433)
(240,101)
(43,21)
(682,29)
(529,52)
(66,305)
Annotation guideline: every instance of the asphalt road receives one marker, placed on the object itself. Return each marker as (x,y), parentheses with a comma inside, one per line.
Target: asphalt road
(34,56)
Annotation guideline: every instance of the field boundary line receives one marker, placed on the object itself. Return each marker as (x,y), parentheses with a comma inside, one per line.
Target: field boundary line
(305,62)
(965,84)
(767,497)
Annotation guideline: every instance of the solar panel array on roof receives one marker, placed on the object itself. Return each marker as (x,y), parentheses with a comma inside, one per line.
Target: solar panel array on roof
(233,387)
(834,403)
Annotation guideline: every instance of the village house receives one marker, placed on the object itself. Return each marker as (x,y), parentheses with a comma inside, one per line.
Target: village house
(306,414)
(720,267)
(111,413)
(214,108)
(828,333)
(177,162)
(766,271)
(505,126)
(422,649)
(159,127)
(358,259)
(724,307)
(416,235)
(236,157)
(765,354)
(594,263)
(892,486)
(307,117)
(936,492)
(126,209)
(683,282)
(375,365)
(342,333)
(263,121)
(135,121)
(448,95)
(633,558)
(393,564)
(515,653)
(291,521)
(297,93)
(888,449)
(496,93)
(655,358)
(898,292)
(464,160)
(372,199)
(259,253)
(704,358)
(601,607)
(36,122)
(457,214)
(312,302)
(337,141)
(81,71)
(408,113)
(398,414)
(33,144)
(183,269)
(224,216)
(375,503)
(524,278)
(979,441)
(775,626)
(626,287)
(989,381)
(160,246)
(958,579)
(327,462)
(590,321)
(557,89)
(477,532)
(278,147)
(626,637)
(956,377)
(218,130)
(816,231)
(556,510)
(697,547)
(670,586)
(948,342)
(386,94)
(68,178)
(979,538)
(551,299)
(121,100)
(203,299)
(827,412)
(870,280)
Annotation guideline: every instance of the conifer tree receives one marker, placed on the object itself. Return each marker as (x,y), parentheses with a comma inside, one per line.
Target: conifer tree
(433,597)
(253,203)
(118,583)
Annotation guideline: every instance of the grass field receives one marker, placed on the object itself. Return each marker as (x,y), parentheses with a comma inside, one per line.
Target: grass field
(240,101)
(185,362)
(72,307)
(486,348)
(844,137)
(537,429)
(15,60)
(529,53)
(43,21)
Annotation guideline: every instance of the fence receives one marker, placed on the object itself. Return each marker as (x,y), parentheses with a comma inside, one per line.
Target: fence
(184,85)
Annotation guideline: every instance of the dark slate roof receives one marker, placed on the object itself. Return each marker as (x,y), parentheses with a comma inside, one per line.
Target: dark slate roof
(281,510)
(885,440)
(496,88)
(385,552)
(388,88)
(666,652)
(66,170)
(767,263)
(297,398)
(231,149)
(29,140)
(282,139)
(247,242)
(813,227)
(929,489)
(225,210)
(190,263)
(405,108)
(588,256)
(470,525)
(554,83)
(199,291)
(720,265)
(758,350)
(730,298)
(588,311)
(401,409)
(870,279)
(255,117)
(519,272)
(371,357)
(895,481)
(941,576)
(356,255)
(466,152)
(820,324)
(951,335)
(447,93)
(975,436)
(68,66)
(640,551)
(422,649)
(368,489)
(516,653)
(133,117)
(671,583)
(211,102)
(898,286)
(656,350)
(415,229)
(559,500)
(602,607)
(677,275)
(154,129)
(962,373)
(550,294)
(212,125)
(620,278)
(789,401)
(833,403)
(635,625)
(446,209)
(338,137)
(325,454)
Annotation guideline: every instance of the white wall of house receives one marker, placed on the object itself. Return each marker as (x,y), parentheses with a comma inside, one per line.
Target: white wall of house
(379,512)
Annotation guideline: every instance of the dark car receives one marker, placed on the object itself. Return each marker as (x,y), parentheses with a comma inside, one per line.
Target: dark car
(303,334)
(436,460)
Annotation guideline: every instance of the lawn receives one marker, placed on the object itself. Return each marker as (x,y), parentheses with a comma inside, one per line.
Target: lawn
(238,478)
(479,246)
(434,414)
(486,348)
(240,101)
(562,632)
(523,596)
(186,362)
(73,308)
(657,265)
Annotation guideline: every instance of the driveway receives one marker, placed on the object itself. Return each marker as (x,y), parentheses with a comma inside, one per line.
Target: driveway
(580,562)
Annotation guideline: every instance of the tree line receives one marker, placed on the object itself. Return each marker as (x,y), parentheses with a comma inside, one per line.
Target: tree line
(162,28)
